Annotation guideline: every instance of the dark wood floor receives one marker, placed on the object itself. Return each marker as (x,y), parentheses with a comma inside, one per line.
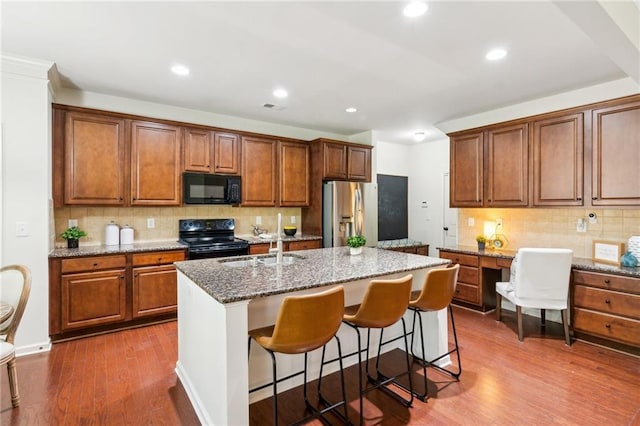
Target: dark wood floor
(128,378)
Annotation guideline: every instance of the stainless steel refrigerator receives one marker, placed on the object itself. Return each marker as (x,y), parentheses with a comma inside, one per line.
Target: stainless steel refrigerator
(342,212)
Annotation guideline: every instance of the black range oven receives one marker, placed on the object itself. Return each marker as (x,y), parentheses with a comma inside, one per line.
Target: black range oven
(207,238)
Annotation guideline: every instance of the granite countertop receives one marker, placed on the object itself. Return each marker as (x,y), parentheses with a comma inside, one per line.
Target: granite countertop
(252,239)
(404,242)
(578,263)
(312,268)
(98,250)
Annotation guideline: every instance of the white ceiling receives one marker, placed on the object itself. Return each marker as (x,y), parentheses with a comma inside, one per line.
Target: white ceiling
(402,74)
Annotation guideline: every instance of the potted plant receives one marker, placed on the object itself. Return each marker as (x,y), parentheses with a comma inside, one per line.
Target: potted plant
(72,235)
(481,240)
(355,243)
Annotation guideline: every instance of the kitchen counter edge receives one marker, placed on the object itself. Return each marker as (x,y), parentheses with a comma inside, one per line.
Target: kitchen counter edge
(99,250)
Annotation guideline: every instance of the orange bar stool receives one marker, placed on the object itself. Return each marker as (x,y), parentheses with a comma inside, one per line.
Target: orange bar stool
(384,304)
(436,294)
(304,323)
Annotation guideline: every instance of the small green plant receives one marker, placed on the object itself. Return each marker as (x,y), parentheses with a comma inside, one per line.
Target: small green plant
(73,233)
(481,239)
(356,241)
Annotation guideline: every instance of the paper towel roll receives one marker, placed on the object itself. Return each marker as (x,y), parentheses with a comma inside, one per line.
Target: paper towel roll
(126,235)
(111,234)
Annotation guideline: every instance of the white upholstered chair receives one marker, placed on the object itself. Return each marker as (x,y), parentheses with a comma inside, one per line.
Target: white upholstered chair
(539,279)
(15,285)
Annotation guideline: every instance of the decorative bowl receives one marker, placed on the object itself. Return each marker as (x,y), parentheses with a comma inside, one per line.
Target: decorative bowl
(290,230)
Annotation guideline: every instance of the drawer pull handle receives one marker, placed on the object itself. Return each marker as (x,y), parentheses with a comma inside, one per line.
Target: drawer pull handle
(159,259)
(607,325)
(122,277)
(607,281)
(607,301)
(95,264)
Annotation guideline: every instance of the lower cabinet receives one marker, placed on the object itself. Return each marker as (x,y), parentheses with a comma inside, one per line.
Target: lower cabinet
(606,307)
(263,248)
(99,293)
(468,286)
(422,250)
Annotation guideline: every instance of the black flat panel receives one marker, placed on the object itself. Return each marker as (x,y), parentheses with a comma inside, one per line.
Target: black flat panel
(392,207)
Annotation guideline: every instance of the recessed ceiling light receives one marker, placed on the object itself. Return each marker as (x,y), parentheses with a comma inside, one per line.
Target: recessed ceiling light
(280,93)
(180,69)
(351,109)
(415,9)
(419,136)
(495,54)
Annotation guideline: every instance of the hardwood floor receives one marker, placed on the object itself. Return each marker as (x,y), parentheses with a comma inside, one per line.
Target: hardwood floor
(128,378)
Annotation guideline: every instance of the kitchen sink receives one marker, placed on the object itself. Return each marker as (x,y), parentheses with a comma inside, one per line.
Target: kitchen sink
(267,260)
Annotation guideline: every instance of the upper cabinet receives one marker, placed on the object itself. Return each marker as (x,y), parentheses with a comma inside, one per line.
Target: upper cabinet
(467,170)
(155,164)
(558,161)
(616,155)
(211,152)
(335,161)
(90,140)
(293,174)
(259,173)
(344,161)
(507,166)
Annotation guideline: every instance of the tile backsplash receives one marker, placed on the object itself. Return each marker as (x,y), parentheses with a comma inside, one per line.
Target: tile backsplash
(552,227)
(94,219)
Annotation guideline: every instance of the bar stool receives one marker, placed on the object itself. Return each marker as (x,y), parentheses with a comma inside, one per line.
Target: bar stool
(304,323)
(384,303)
(436,294)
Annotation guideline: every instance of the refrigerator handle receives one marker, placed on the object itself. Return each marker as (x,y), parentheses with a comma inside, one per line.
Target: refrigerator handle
(357,214)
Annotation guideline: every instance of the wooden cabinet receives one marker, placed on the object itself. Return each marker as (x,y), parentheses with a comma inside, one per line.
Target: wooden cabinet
(263,248)
(558,161)
(211,152)
(155,164)
(94,159)
(101,293)
(93,291)
(606,307)
(154,283)
(468,287)
(344,161)
(467,170)
(422,250)
(616,155)
(507,166)
(259,172)
(293,174)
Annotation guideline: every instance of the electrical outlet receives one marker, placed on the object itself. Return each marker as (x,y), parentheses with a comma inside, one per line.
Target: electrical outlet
(22,229)
(293,220)
(258,220)
(581,225)
(471,221)
(73,222)
(151,223)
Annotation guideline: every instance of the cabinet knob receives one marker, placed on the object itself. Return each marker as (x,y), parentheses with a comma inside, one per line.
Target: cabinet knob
(607,301)
(122,277)
(160,259)
(607,325)
(594,198)
(607,281)
(579,198)
(95,264)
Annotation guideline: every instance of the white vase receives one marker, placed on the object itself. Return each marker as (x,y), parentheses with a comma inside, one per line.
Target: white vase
(354,251)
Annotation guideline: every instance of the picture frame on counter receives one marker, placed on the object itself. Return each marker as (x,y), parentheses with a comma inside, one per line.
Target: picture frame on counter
(607,252)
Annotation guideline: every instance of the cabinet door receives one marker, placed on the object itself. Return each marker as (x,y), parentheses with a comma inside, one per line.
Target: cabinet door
(507,166)
(94,170)
(616,155)
(467,172)
(294,174)
(558,161)
(335,161)
(155,164)
(93,298)
(226,147)
(359,163)
(259,248)
(154,290)
(197,150)
(258,172)
(303,245)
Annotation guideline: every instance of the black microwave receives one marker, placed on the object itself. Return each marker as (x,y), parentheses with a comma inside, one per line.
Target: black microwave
(202,188)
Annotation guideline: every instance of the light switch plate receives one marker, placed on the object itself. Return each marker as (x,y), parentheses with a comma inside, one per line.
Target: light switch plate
(471,221)
(293,219)
(73,222)
(22,229)
(151,223)
(258,220)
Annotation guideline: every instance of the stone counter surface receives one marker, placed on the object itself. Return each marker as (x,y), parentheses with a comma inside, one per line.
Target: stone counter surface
(578,263)
(99,250)
(252,239)
(312,268)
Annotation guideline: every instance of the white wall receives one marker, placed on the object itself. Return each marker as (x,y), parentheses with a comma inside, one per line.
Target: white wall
(26,187)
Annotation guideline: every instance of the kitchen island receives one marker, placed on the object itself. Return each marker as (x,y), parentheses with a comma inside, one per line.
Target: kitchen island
(220,300)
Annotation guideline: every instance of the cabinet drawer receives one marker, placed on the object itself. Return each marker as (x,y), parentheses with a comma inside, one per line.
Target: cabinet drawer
(422,250)
(610,282)
(95,263)
(462,259)
(157,258)
(258,249)
(468,275)
(304,245)
(467,293)
(608,326)
(606,301)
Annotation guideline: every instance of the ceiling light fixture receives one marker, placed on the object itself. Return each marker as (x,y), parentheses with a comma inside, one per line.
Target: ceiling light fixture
(180,69)
(496,54)
(419,136)
(280,93)
(415,9)
(351,109)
